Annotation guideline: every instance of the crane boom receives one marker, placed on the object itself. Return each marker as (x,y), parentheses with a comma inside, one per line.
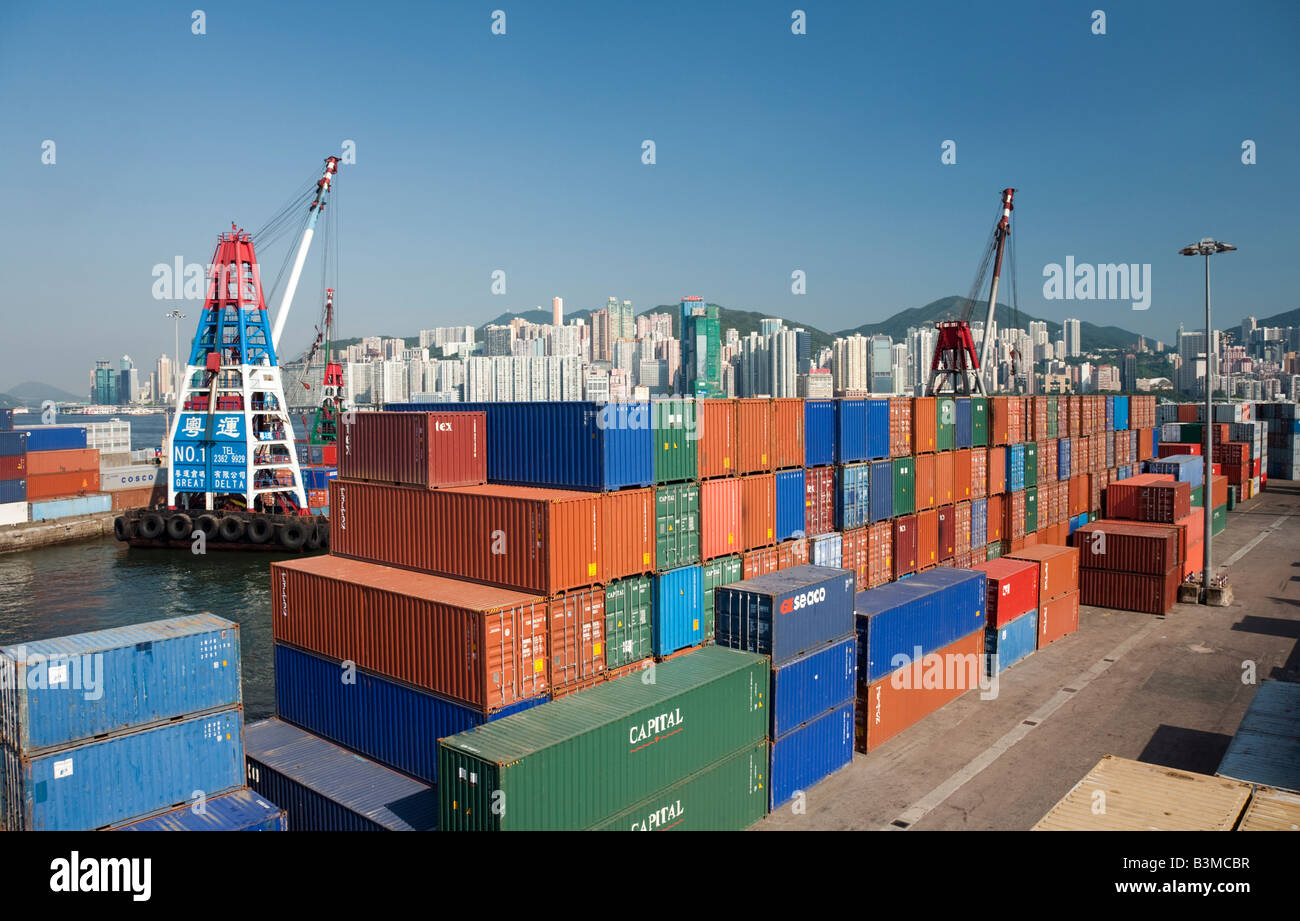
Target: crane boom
(317,206)
(1000,233)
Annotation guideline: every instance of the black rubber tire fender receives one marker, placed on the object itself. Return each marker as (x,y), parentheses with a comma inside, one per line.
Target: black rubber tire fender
(314,537)
(180,527)
(208,525)
(293,534)
(122,528)
(230,528)
(151,526)
(324,534)
(259,530)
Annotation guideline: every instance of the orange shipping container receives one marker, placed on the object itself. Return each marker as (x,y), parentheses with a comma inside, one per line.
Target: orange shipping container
(880,554)
(979,473)
(923,424)
(1013,510)
(1058,569)
(1078,495)
(900,427)
(961,475)
(945,477)
(760,562)
(720,517)
(61,485)
(1076,417)
(1145,451)
(75,460)
(997,471)
(927,538)
(1047,462)
(757,510)
(854,551)
(627,532)
(926,493)
(994,532)
(792,553)
(1057,618)
(715,421)
(1038,429)
(577,636)
(787,433)
(139,497)
(753,435)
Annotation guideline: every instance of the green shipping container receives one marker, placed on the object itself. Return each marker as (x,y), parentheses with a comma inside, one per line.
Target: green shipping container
(578,762)
(979,421)
(676,452)
(728,796)
(628,624)
(1092,516)
(945,425)
(1052,417)
(717,573)
(993,551)
(1198,496)
(677,526)
(1232,497)
(904,486)
(1219,519)
(1191,433)
(1031,463)
(1031,504)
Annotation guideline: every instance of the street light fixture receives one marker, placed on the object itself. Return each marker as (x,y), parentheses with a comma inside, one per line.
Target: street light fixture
(1208,247)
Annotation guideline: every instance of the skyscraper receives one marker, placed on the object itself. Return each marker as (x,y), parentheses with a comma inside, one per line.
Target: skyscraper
(701,348)
(849,363)
(783,352)
(1073,338)
(557,311)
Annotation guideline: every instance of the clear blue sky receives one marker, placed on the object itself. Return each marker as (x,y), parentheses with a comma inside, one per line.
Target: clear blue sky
(522,152)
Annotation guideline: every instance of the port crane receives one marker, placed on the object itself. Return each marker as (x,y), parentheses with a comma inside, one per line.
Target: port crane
(955,367)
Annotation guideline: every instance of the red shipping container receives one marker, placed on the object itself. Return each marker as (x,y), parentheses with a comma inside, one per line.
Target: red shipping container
(720,517)
(962,518)
(485,647)
(1164,502)
(758,510)
(13,467)
(1172,448)
(792,553)
(1012,589)
(329,454)
(926,493)
(318,498)
(753,435)
(908,695)
(414,449)
(1237,474)
(627,532)
(140,497)
(927,538)
(854,551)
(979,473)
(1058,569)
(1013,512)
(536,540)
(1123,497)
(880,554)
(945,466)
(961,474)
(787,433)
(577,636)
(1130,591)
(1088,416)
(60,485)
(924,424)
(819,500)
(997,471)
(760,562)
(993,533)
(1004,420)
(947,536)
(1219,489)
(1096,484)
(1076,416)
(715,421)
(74,460)
(905,545)
(1189,412)
(900,427)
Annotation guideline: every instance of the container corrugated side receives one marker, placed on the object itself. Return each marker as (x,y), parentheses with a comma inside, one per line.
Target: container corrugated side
(787,613)
(326,788)
(54,509)
(945,435)
(1012,589)
(853,497)
(929,611)
(59,691)
(819,432)
(904,481)
(787,433)
(1266,746)
(583,760)
(52,438)
(1126,546)
(826,550)
(850,431)
(1058,568)
(75,460)
(385,720)
(629,529)
(415,449)
(242,810)
(1009,643)
(676,457)
(754,437)
(629,621)
(757,511)
(881,486)
(811,753)
(791,499)
(713,575)
(806,687)
(819,500)
(900,427)
(678,610)
(1271,810)
(730,795)
(720,521)
(122,777)
(716,443)
(878,429)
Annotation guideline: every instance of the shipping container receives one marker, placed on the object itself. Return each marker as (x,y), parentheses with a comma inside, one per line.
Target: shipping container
(993,517)
(754,435)
(1058,569)
(242,810)
(326,788)
(904,697)
(758,563)
(14,492)
(1130,591)
(792,553)
(61,485)
(945,475)
(812,752)
(427,449)
(52,437)
(880,554)
(820,507)
(6,420)
(881,486)
(851,438)
(54,509)
(628,621)
(113,779)
(677,530)
(786,614)
(827,550)
(1127,546)
(757,511)
(1186,468)
(76,460)
(906,546)
(13,443)
(947,534)
(1147,797)
(1057,617)
(1271,810)
(1013,516)
(13,467)
(383,719)
(1032,519)
(1266,746)
(904,483)
(629,528)
(564,444)
(13,513)
(979,523)
(787,433)
(676,458)
(1015,478)
(927,538)
(583,760)
(945,431)
(716,433)
(558,531)
(1012,589)
(713,575)
(996,466)
(926,489)
(720,532)
(963,434)
(1122,497)
(678,610)
(924,424)
(819,432)
(810,685)
(979,415)
(791,498)
(1011,642)
(979,473)
(57,692)
(900,427)
(576,638)
(1031,464)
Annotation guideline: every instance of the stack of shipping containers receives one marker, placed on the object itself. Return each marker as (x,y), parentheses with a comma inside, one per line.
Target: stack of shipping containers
(47,472)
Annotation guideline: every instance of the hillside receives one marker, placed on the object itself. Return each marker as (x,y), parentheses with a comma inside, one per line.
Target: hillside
(1289,318)
(31,393)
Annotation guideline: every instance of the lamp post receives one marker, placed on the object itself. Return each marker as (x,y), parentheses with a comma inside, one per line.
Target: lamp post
(1208,247)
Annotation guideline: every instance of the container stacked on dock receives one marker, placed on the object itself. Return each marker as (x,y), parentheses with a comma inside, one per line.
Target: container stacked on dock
(1058,589)
(103,730)
(1012,599)
(47,472)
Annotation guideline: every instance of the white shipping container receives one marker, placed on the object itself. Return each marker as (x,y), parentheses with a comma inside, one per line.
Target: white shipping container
(13,512)
(112,479)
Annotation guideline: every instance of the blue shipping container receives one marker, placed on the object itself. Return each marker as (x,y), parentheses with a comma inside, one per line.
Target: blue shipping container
(818,433)
(1121,414)
(119,778)
(242,810)
(815,682)
(1185,468)
(1266,747)
(678,612)
(326,788)
(12,443)
(791,503)
(564,445)
(1155,443)
(6,420)
(979,522)
(811,753)
(51,509)
(13,490)
(1015,467)
(853,496)
(318,477)
(927,611)
(882,490)
(877,429)
(964,434)
(826,550)
(392,723)
(1063,458)
(850,431)
(60,691)
(42,438)
(785,614)
(1006,645)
